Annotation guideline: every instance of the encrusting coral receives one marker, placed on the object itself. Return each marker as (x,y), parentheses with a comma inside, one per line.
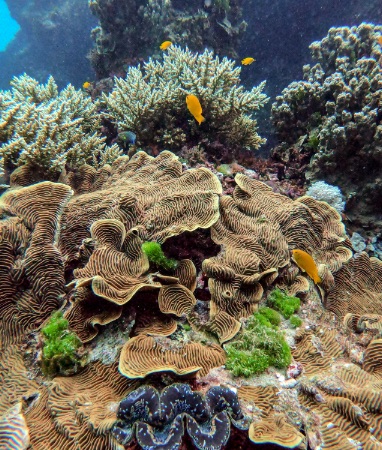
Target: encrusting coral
(335,114)
(42,130)
(151,102)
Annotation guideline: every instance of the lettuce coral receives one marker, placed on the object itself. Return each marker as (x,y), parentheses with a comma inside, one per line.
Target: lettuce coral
(47,129)
(151,102)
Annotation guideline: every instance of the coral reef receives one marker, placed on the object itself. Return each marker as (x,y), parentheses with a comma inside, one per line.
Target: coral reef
(77,248)
(151,102)
(327,193)
(336,112)
(43,130)
(131,30)
(156,418)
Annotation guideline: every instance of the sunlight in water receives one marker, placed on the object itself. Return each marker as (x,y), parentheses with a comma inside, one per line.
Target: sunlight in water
(8,26)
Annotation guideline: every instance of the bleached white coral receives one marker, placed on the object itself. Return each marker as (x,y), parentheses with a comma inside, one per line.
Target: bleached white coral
(48,129)
(327,193)
(151,102)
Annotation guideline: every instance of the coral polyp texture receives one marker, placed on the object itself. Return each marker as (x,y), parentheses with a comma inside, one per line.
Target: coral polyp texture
(335,111)
(160,419)
(151,102)
(42,130)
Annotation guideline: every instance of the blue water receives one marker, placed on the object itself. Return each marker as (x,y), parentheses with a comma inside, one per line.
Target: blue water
(8,26)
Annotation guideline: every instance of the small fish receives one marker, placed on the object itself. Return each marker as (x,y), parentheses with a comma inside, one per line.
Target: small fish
(165,45)
(306,263)
(379,40)
(195,108)
(87,85)
(127,137)
(247,61)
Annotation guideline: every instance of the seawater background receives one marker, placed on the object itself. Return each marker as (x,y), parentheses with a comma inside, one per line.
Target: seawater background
(278,36)
(8,26)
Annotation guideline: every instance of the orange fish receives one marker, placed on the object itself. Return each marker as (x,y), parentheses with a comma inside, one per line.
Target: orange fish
(195,108)
(306,263)
(87,85)
(247,61)
(165,45)
(379,40)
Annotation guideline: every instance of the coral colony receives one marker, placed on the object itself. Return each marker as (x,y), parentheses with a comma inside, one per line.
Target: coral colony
(113,335)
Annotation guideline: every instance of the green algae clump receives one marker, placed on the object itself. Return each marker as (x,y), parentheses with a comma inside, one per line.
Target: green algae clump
(258,347)
(272,315)
(295,321)
(154,252)
(284,303)
(59,352)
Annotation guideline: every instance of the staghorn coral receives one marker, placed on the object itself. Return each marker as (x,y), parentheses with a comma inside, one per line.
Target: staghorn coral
(152,102)
(156,419)
(337,109)
(43,130)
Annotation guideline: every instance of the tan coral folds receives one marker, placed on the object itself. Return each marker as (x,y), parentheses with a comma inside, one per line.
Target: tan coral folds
(143,355)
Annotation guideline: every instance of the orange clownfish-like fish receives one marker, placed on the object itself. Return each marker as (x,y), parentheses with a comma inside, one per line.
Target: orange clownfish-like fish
(247,61)
(195,108)
(165,45)
(306,263)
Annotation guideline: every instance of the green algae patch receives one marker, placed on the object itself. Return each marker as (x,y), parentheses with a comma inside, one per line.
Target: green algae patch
(271,315)
(59,351)
(295,321)
(259,346)
(154,252)
(284,303)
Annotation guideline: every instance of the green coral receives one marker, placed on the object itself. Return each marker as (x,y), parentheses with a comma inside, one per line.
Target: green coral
(155,254)
(284,303)
(151,102)
(59,351)
(295,321)
(48,129)
(258,347)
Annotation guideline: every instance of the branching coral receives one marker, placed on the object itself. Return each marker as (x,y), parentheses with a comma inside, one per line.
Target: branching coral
(131,29)
(152,102)
(46,129)
(337,109)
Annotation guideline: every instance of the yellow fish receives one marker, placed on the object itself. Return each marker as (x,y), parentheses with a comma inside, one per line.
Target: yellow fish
(195,108)
(247,61)
(165,45)
(379,40)
(87,85)
(306,263)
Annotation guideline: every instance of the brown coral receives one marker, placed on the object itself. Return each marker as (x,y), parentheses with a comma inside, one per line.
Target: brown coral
(143,355)
(358,287)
